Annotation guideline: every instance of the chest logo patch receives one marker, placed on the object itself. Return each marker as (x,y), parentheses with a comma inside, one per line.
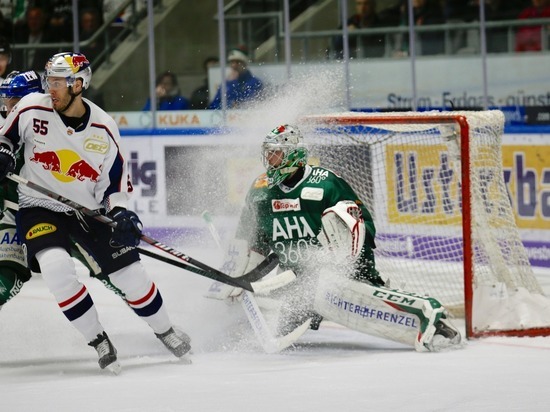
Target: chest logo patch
(312,193)
(39,230)
(96,146)
(285,205)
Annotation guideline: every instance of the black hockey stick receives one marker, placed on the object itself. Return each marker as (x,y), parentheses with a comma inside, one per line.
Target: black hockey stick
(247,281)
(199,267)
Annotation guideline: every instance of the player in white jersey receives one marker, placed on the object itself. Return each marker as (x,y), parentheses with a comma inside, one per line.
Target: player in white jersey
(13,267)
(73,148)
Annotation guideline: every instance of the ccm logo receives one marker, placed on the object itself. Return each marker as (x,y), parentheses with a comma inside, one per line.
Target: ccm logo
(283,205)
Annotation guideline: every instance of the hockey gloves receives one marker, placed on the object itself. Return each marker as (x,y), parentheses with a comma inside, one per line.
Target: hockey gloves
(127,231)
(7,161)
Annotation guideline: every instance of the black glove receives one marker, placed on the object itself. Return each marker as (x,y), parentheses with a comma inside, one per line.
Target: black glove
(127,231)
(7,161)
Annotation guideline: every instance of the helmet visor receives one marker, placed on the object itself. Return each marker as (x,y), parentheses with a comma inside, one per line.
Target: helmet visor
(55,83)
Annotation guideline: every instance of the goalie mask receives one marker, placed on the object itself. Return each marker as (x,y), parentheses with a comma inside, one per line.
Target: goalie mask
(70,66)
(284,143)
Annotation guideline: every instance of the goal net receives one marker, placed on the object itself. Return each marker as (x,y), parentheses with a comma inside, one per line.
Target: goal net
(445,226)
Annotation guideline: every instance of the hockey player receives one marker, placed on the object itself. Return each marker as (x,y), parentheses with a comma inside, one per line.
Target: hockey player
(321,230)
(13,268)
(73,148)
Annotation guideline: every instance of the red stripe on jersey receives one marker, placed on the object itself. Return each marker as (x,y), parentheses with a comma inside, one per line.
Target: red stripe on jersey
(119,154)
(75,297)
(145,298)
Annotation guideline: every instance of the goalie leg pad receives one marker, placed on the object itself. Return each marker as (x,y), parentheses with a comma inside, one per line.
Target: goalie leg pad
(389,313)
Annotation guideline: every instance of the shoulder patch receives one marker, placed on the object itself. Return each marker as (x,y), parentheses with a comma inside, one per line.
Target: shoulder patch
(260,182)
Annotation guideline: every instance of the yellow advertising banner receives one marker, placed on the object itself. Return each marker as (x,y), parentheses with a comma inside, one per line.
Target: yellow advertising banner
(423,184)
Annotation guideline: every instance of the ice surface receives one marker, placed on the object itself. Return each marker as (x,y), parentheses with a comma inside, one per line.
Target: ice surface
(46,366)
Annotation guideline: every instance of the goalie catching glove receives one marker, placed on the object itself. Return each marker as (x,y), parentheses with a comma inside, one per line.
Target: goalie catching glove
(343,230)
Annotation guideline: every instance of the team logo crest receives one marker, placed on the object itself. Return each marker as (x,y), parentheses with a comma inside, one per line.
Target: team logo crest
(65,165)
(77,62)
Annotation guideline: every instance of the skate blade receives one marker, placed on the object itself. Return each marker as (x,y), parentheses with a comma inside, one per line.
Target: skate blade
(115,368)
(185,360)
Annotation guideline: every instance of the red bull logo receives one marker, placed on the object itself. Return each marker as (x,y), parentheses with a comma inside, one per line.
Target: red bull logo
(77,62)
(65,165)
(82,170)
(49,160)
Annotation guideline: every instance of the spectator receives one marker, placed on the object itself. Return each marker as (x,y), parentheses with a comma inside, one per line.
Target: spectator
(168,94)
(467,41)
(35,31)
(90,22)
(61,15)
(13,11)
(242,86)
(365,45)
(5,57)
(6,26)
(61,19)
(201,95)
(110,6)
(528,38)
(425,12)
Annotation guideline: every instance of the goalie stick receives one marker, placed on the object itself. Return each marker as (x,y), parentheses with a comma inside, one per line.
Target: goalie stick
(247,281)
(269,342)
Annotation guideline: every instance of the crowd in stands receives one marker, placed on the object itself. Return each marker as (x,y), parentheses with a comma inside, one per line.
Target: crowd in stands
(33,22)
(438,12)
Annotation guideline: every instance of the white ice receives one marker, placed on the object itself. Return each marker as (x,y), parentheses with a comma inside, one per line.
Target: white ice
(45,365)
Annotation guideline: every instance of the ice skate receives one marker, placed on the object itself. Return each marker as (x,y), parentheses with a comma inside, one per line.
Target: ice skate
(446,336)
(107,353)
(176,342)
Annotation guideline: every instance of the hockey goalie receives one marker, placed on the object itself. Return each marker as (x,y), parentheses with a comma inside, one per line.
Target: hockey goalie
(313,220)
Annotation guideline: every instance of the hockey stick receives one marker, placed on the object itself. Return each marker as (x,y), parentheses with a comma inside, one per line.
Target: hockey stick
(269,342)
(244,281)
(256,286)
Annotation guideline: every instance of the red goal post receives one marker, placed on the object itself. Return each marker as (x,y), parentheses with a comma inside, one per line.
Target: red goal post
(445,225)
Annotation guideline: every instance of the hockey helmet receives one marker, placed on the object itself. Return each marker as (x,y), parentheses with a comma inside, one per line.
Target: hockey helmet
(70,66)
(287,140)
(18,84)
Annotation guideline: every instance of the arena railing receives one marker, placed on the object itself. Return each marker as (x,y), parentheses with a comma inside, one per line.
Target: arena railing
(112,32)
(309,41)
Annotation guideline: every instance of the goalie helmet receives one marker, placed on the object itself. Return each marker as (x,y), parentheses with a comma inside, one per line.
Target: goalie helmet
(289,141)
(70,66)
(18,84)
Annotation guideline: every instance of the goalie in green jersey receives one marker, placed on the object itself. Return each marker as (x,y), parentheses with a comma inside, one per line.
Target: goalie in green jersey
(13,268)
(319,228)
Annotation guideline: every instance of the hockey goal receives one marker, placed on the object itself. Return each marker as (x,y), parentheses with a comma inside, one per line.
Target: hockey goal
(445,226)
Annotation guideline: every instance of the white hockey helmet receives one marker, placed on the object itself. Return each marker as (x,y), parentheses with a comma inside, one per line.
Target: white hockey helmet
(288,140)
(70,66)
